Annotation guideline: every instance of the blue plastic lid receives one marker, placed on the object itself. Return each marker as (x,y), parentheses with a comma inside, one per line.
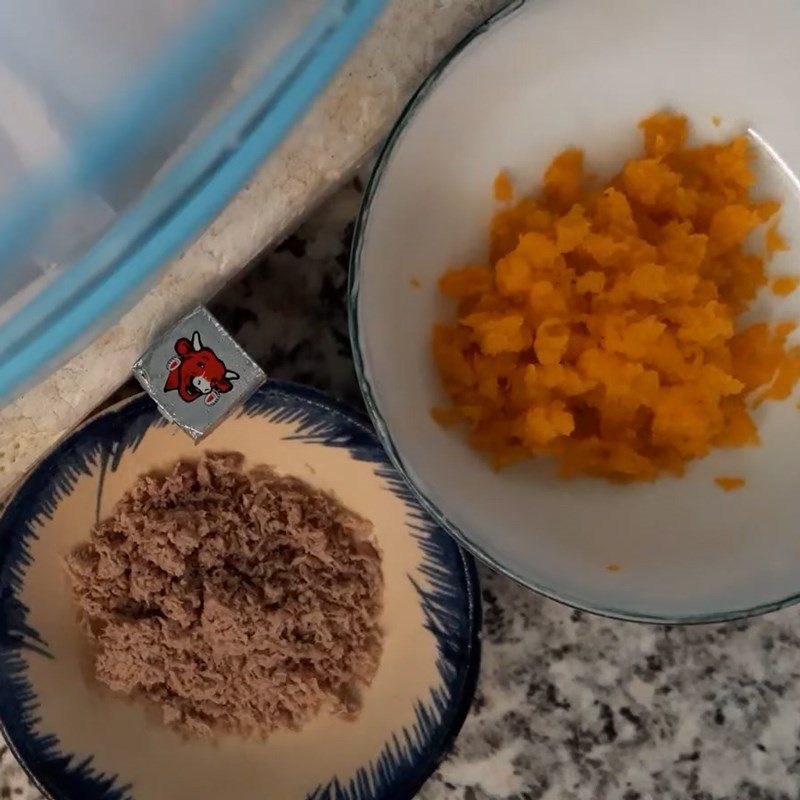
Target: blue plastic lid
(125,134)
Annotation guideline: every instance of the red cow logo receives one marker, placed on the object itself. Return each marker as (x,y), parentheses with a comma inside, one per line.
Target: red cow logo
(197,372)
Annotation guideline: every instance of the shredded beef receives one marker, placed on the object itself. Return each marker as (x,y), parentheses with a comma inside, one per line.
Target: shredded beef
(236,601)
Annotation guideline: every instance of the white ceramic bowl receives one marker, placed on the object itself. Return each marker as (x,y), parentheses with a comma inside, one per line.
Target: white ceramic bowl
(536,78)
(80,742)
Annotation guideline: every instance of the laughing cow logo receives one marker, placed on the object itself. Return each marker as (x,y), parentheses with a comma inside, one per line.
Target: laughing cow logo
(196,371)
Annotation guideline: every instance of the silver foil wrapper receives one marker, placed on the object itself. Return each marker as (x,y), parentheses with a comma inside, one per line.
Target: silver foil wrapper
(197,373)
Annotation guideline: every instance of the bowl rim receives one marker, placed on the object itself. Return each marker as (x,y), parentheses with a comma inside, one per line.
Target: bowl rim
(355,272)
(439,745)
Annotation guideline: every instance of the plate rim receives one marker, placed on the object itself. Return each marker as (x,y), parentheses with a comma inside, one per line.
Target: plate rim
(438,747)
(406,118)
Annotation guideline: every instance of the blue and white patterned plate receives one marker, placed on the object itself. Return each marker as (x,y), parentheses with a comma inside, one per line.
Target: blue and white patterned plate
(79,742)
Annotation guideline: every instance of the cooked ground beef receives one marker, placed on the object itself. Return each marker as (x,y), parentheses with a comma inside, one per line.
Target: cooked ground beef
(236,601)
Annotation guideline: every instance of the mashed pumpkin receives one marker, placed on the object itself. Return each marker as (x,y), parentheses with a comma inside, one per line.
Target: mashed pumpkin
(603,331)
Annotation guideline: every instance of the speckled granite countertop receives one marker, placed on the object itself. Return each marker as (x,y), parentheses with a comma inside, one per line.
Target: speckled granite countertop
(569,706)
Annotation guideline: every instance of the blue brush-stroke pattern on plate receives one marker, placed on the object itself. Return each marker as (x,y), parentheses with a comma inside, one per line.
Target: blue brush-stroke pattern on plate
(451,604)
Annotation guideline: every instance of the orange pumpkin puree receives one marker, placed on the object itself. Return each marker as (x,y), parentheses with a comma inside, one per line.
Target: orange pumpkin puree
(785,285)
(730,484)
(602,331)
(503,189)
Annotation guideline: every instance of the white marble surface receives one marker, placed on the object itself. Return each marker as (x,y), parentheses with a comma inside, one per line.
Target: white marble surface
(569,706)
(352,115)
